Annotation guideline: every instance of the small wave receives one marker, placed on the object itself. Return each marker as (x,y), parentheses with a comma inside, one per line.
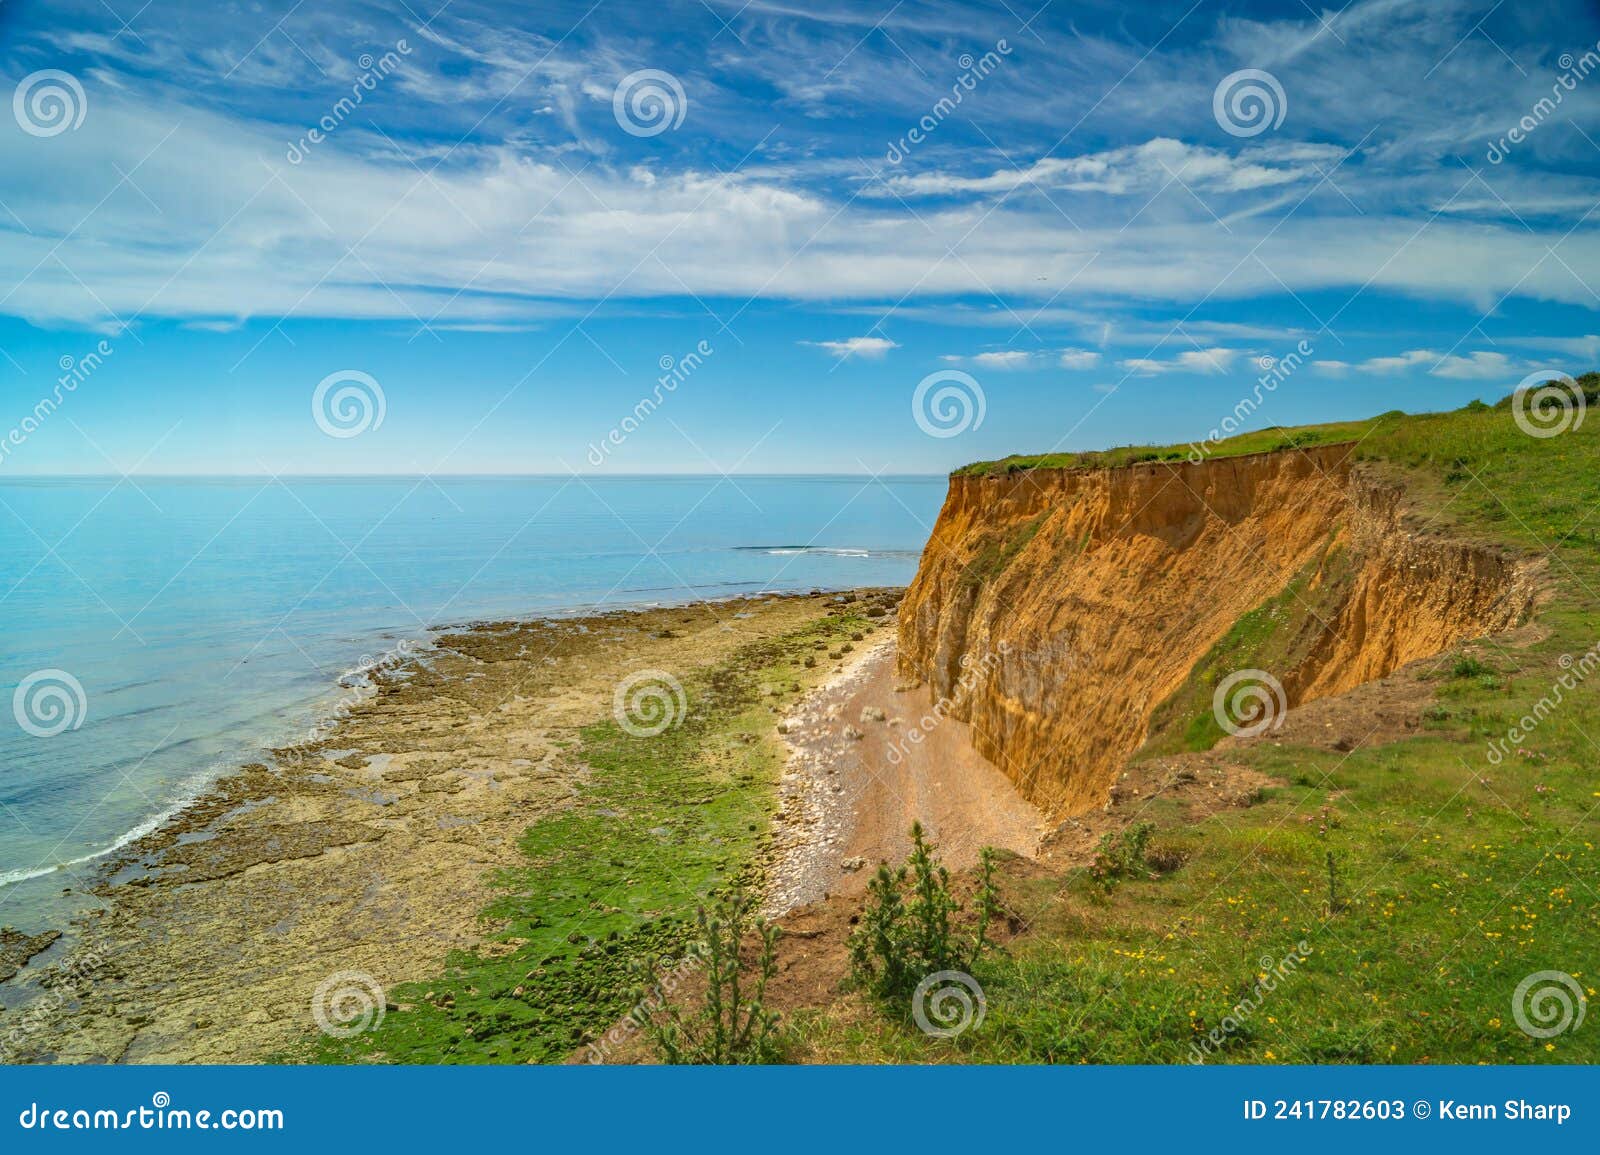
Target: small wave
(791,550)
(405,652)
(149,826)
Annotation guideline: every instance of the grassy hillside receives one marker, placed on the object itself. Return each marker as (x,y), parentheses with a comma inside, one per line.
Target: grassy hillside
(1456,873)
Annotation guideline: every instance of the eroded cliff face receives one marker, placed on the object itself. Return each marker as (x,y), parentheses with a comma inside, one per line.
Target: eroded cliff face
(1056,610)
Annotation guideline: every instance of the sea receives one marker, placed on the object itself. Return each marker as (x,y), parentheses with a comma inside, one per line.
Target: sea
(159,632)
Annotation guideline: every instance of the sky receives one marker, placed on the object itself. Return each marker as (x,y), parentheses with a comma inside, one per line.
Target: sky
(453,237)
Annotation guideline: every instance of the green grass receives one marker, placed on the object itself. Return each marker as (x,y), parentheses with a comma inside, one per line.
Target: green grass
(1458,875)
(662,823)
(1276,635)
(1451,440)
(1261,441)
(995,554)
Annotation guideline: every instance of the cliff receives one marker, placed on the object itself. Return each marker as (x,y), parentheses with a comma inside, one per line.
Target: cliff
(1061,612)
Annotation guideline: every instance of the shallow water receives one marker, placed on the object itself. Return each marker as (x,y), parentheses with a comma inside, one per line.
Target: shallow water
(206,618)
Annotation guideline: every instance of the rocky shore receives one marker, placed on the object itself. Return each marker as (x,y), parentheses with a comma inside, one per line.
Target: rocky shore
(372,850)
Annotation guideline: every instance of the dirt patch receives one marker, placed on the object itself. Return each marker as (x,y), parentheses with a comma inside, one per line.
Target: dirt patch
(868,758)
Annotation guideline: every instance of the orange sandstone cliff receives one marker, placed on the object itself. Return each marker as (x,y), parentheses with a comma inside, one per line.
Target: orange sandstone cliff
(1056,610)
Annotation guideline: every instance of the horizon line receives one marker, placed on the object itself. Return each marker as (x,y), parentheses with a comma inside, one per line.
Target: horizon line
(4,478)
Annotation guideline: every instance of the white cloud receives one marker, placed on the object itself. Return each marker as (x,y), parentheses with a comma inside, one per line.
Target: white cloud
(1399,363)
(1477,366)
(1214,360)
(1026,359)
(1585,348)
(492,235)
(1004,359)
(1134,168)
(1481,365)
(867,348)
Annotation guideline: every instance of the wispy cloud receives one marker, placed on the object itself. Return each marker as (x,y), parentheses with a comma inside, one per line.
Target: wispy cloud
(1480,365)
(1006,359)
(1585,348)
(867,348)
(1214,360)
(488,183)
(1120,172)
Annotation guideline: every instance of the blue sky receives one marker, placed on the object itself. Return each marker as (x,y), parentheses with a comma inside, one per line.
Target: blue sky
(1092,233)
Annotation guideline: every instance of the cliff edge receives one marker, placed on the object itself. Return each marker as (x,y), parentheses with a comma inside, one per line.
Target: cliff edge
(1072,615)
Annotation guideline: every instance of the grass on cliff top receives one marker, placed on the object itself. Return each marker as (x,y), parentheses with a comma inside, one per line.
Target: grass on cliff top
(661,824)
(1395,434)
(1261,441)
(1458,875)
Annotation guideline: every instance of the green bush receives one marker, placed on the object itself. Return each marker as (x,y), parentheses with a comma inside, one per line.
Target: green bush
(907,930)
(1122,855)
(732,1023)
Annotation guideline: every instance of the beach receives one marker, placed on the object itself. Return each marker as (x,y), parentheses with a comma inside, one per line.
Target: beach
(372,849)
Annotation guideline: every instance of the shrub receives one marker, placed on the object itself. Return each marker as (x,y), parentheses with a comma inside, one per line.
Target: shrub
(1335,903)
(1467,667)
(1122,855)
(732,1023)
(907,931)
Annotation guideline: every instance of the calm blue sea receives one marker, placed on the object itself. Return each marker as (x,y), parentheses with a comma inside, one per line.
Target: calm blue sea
(206,618)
